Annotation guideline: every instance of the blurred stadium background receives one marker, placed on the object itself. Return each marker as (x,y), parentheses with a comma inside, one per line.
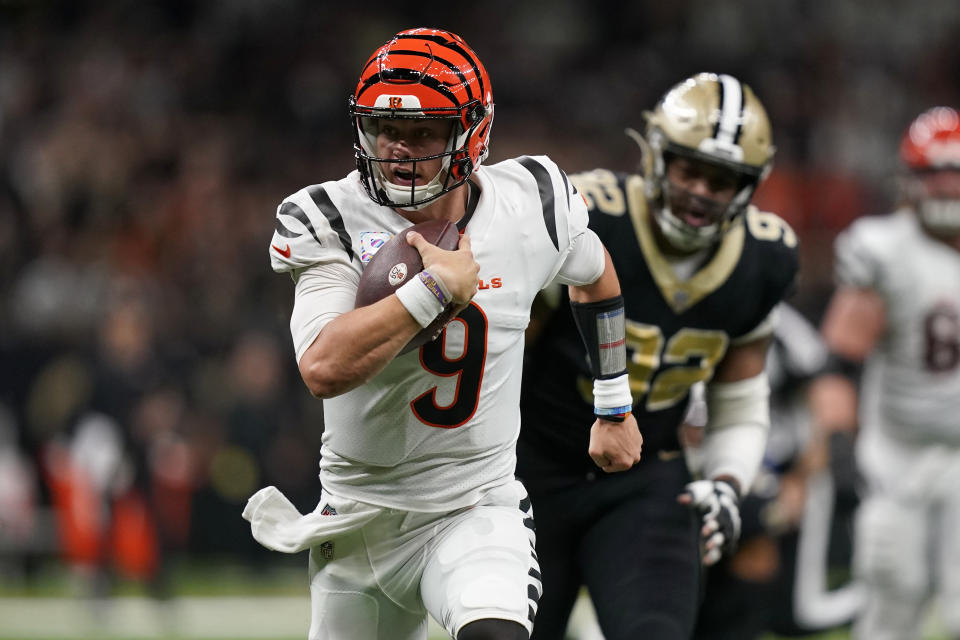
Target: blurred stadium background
(147,385)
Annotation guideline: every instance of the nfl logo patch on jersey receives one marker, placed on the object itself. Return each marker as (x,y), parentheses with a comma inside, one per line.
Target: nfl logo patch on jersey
(370,243)
(328,511)
(326,550)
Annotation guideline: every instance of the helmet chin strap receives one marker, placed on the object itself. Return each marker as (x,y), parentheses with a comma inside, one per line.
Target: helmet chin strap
(399,193)
(678,235)
(686,237)
(681,235)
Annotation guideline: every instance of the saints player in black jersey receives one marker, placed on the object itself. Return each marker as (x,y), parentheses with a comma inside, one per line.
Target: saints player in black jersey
(701,271)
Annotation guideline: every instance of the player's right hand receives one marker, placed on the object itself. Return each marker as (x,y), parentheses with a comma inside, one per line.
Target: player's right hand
(615,446)
(458,270)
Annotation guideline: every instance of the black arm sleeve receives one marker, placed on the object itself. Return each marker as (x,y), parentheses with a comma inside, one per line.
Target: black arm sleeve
(602,327)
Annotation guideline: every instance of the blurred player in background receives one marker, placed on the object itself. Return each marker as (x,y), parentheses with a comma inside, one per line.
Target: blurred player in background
(702,271)
(420,511)
(897,309)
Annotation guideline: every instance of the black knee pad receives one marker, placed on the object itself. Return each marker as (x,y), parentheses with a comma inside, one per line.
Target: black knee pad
(493,629)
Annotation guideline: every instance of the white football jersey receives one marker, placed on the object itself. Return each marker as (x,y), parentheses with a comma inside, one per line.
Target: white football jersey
(912,381)
(436,428)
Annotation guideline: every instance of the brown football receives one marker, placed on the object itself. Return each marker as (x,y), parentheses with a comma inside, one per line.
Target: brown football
(396,262)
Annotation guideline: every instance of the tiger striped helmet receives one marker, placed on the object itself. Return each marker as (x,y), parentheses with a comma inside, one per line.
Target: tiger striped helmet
(714,119)
(422,73)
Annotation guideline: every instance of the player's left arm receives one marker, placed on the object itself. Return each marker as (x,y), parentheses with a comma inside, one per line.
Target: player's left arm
(615,439)
(738,395)
(597,305)
(733,444)
(738,399)
(586,267)
(738,406)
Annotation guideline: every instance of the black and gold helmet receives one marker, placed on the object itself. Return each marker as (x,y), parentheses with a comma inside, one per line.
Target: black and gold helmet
(714,119)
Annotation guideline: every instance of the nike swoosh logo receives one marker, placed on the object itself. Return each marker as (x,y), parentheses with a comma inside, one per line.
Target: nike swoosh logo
(285,252)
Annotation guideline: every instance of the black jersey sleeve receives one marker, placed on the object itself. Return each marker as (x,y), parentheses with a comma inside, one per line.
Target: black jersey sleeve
(771,249)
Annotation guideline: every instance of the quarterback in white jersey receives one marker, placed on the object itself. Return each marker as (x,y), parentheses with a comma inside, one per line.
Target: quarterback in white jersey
(420,511)
(898,310)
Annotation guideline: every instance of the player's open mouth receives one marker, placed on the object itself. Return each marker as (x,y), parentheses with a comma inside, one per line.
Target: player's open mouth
(695,218)
(404,177)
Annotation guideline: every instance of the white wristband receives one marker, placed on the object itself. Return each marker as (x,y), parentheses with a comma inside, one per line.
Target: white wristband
(421,300)
(612,396)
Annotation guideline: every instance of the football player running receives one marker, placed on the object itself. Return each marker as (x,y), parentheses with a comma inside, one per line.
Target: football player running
(897,309)
(420,512)
(701,270)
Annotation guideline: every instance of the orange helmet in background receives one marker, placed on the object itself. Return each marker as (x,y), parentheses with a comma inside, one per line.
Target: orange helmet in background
(932,141)
(420,74)
(930,150)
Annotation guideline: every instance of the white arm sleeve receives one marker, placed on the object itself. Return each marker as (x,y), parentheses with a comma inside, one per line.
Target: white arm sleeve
(323,292)
(736,433)
(585,262)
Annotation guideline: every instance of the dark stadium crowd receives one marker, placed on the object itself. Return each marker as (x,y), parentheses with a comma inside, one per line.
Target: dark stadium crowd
(147,379)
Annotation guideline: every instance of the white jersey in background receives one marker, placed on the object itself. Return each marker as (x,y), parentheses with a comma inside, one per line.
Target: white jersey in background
(446,435)
(912,380)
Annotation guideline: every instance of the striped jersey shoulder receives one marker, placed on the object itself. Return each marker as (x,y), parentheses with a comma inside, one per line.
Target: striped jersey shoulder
(546,173)
(309,227)
(539,170)
(539,177)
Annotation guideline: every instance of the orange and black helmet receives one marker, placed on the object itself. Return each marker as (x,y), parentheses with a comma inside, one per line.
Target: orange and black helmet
(422,73)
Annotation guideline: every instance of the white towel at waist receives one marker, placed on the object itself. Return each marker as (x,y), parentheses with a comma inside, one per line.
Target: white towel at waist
(277,525)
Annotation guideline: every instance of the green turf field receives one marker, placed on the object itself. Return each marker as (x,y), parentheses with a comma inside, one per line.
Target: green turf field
(210,601)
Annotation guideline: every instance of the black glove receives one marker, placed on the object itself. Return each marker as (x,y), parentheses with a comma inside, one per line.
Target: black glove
(719,507)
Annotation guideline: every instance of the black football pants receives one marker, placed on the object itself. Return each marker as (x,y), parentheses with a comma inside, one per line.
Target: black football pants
(626,538)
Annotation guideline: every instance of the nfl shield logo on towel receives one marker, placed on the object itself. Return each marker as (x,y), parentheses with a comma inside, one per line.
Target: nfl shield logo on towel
(326,550)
